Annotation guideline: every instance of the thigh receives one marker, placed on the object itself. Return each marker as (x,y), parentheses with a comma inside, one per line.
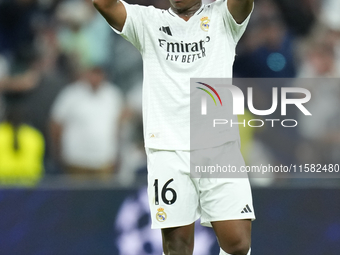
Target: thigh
(179,239)
(173,195)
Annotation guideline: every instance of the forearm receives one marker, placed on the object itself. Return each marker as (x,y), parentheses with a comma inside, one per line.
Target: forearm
(55,136)
(12,84)
(20,82)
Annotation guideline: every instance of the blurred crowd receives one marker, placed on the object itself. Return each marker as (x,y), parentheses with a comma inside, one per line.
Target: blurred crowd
(70,89)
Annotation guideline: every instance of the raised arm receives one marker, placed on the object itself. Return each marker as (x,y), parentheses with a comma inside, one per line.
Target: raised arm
(113,11)
(240,9)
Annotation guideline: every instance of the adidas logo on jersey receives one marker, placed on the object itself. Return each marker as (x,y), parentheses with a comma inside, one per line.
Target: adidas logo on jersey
(166,30)
(246,209)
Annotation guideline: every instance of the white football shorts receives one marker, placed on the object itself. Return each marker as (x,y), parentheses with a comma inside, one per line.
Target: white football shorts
(176,199)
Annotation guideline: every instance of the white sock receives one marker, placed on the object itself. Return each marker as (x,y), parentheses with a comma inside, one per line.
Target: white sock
(222,252)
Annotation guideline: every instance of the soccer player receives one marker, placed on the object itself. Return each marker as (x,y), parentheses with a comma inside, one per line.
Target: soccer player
(189,40)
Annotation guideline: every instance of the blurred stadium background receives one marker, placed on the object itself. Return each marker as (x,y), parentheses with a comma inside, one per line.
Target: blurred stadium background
(55,202)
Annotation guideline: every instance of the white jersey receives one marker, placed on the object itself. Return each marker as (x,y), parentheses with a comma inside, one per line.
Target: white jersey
(173,51)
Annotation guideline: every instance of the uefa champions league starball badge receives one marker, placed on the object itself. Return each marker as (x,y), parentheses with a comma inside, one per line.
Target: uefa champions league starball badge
(205,24)
(161,215)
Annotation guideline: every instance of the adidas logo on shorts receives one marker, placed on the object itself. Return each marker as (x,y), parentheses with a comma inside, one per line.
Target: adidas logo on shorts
(246,209)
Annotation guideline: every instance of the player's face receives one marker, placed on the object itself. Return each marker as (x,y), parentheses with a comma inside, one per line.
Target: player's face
(95,77)
(183,5)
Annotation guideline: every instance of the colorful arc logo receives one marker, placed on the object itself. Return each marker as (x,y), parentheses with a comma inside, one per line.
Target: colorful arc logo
(213,90)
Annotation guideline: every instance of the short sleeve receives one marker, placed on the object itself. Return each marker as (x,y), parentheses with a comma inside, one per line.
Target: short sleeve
(133,28)
(61,106)
(235,29)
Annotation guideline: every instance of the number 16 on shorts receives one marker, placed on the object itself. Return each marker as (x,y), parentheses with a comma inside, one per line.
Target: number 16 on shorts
(165,190)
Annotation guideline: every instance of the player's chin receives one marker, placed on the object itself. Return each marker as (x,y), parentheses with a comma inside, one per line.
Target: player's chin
(178,4)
